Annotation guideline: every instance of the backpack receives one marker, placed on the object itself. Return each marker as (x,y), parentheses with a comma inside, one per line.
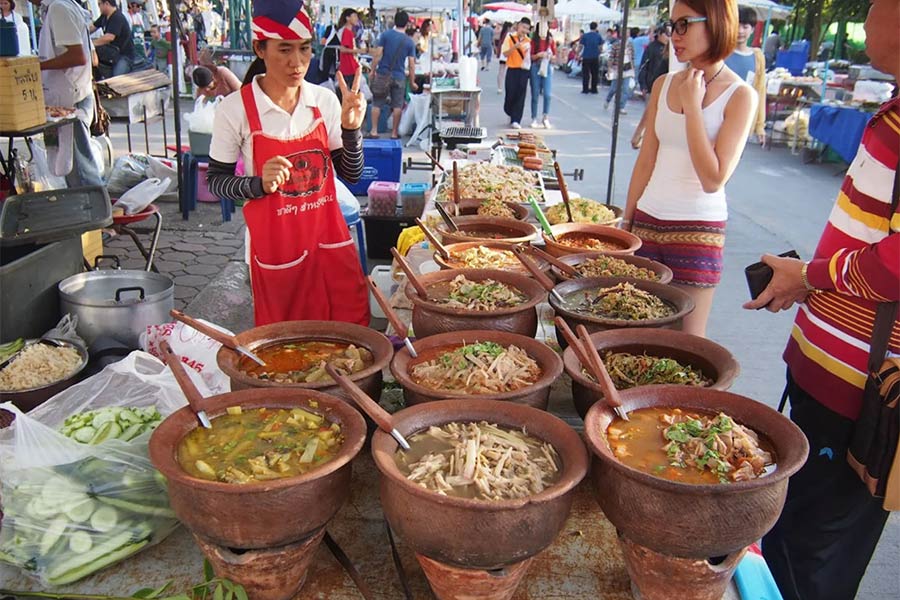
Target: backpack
(328,62)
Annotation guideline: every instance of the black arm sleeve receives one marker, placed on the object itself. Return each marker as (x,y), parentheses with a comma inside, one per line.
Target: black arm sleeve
(348,161)
(223,183)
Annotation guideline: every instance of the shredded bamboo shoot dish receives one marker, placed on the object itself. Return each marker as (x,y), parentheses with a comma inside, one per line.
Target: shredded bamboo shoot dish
(584,210)
(496,208)
(634,370)
(479,368)
(624,302)
(484,181)
(485,295)
(482,257)
(479,460)
(609,266)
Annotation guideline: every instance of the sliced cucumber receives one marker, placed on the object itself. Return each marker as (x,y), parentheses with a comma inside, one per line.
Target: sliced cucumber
(104,519)
(81,511)
(80,542)
(109,430)
(84,435)
(132,432)
(102,417)
(52,534)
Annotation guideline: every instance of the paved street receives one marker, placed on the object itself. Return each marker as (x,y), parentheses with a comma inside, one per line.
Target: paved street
(776,203)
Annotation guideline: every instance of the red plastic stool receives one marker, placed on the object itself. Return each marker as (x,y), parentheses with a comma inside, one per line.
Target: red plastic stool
(121,225)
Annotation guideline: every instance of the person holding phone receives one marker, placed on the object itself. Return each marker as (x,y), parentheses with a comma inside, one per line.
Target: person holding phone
(293,137)
(517,50)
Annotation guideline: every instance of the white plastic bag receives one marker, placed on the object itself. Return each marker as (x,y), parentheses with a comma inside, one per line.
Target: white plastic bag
(346,200)
(71,509)
(201,120)
(142,195)
(197,351)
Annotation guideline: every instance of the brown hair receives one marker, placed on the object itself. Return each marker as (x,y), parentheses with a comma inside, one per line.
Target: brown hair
(721,23)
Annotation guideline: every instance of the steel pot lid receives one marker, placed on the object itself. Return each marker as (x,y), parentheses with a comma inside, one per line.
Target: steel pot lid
(116,288)
(54,215)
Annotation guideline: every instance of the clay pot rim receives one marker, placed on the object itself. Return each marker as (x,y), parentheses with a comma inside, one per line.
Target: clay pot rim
(494,245)
(664,272)
(377,343)
(353,426)
(600,231)
(612,339)
(665,291)
(618,211)
(794,457)
(527,230)
(528,286)
(520,210)
(573,470)
(550,362)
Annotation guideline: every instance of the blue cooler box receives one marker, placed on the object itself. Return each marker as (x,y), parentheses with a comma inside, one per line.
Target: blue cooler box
(382,160)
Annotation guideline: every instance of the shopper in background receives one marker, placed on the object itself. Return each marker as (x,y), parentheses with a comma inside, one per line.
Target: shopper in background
(485,43)
(639,41)
(615,55)
(543,55)
(750,64)
(654,64)
(425,33)
(348,63)
(393,64)
(115,48)
(697,125)
(590,59)
(224,81)
(771,47)
(8,13)
(501,73)
(138,21)
(517,48)
(161,48)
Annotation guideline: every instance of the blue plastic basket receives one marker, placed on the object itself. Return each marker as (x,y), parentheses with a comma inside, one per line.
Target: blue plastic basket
(383,159)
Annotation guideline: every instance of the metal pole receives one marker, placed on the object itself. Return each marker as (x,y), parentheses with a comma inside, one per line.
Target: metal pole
(623,40)
(34,40)
(175,32)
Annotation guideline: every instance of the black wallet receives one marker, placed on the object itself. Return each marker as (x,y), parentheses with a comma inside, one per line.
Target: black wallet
(760,274)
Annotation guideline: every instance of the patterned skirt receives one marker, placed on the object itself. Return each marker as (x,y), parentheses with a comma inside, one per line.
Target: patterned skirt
(692,249)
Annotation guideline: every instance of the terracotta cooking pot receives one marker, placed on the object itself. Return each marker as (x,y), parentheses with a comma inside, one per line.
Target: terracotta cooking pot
(663,273)
(682,303)
(685,520)
(430,318)
(536,395)
(368,379)
(511,231)
(468,208)
(472,533)
(627,242)
(714,361)
(462,247)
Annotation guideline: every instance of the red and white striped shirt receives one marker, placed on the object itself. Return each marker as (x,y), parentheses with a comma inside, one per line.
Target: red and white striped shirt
(856,265)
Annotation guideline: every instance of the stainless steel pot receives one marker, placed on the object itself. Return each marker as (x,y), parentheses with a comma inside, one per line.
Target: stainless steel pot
(117,304)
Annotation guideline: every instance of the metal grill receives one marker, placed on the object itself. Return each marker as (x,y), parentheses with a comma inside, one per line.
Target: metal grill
(464,133)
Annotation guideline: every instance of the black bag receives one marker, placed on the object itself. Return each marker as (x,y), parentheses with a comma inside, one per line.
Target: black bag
(108,54)
(100,123)
(381,84)
(328,64)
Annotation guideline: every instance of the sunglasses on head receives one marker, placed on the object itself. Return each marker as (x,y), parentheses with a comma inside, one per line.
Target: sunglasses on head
(681,25)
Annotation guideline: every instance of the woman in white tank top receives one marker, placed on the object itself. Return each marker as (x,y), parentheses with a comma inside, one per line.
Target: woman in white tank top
(698,122)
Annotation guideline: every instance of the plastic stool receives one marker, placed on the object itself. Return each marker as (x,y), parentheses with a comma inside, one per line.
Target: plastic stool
(353,220)
(121,224)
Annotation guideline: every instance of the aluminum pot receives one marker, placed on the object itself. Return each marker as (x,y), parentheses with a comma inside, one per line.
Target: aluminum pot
(119,304)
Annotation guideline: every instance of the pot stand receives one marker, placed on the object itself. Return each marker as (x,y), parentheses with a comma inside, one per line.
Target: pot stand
(456,583)
(657,576)
(269,574)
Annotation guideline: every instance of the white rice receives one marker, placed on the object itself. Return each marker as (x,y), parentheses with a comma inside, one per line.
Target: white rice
(39,365)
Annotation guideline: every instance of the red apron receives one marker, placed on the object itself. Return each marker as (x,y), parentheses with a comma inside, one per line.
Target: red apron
(303,263)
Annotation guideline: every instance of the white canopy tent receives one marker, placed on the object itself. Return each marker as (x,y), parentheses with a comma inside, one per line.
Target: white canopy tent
(767,9)
(502,16)
(434,5)
(587,9)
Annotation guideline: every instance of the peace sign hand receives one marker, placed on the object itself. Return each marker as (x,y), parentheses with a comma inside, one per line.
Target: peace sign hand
(353,105)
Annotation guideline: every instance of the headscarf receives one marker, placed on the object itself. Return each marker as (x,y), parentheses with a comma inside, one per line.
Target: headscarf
(280,20)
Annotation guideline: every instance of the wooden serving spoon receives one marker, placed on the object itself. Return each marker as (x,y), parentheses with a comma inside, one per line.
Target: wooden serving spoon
(396,322)
(435,162)
(564,190)
(596,366)
(226,340)
(455,188)
(382,417)
(184,382)
(520,252)
(572,340)
(413,279)
(565,268)
(442,250)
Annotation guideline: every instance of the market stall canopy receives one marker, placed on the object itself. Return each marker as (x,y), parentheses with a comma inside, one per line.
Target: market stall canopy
(432,5)
(511,6)
(503,16)
(590,9)
(765,9)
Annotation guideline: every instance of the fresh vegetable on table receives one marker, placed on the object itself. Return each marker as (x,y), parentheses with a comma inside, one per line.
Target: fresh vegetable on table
(10,348)
(113,422)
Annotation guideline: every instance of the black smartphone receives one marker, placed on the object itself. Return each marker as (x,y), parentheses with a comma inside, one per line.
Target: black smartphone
(760,274)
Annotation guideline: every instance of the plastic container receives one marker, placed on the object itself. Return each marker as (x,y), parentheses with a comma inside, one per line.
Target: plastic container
(382,233)
(412,199)
(203,193)
(383,159)
(382,276)
(384,197)
(199,143)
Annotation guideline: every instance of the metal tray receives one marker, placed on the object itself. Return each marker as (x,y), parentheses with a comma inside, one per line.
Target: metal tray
(508,155)
(44,217)
(446,178)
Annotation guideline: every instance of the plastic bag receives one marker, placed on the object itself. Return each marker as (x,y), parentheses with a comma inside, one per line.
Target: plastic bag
(201,120)
(141,196)
(131,169)
(197,351)
(346,200)
(71,508)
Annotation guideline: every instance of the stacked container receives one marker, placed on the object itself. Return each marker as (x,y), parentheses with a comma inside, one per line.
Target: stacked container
(384,197)
(412,199)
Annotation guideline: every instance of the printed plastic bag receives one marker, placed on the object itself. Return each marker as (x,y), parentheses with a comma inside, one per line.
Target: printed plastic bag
(197,351)
(73,508)
(141,196)
(201,120)
(132,169)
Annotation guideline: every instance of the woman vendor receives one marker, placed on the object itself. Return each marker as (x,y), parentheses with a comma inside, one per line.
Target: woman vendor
(293,137)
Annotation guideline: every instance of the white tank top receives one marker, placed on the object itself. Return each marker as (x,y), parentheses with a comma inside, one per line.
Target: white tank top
(674,192)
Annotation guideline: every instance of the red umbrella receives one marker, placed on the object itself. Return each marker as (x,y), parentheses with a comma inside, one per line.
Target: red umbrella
(511,6)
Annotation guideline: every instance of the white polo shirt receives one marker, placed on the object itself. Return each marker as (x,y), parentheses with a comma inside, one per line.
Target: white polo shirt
(65,25)
(231,128)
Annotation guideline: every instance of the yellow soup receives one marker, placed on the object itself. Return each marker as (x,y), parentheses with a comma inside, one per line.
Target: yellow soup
(246,446)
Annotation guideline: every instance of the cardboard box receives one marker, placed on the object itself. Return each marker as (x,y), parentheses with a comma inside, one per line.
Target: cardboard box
(21,95)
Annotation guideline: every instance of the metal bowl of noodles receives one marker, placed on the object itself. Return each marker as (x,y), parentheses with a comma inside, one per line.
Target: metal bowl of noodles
(40,376)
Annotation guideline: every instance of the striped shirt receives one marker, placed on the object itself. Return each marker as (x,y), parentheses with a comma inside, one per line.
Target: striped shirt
(857,266)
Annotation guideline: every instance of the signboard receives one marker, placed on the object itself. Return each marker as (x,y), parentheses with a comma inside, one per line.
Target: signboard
(643,17)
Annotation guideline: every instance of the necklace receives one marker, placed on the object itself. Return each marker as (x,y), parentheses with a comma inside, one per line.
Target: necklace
(713,78)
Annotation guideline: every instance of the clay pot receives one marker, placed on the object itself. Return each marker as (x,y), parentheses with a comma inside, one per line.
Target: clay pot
(331,331)
(618,211)
(260,514)
(683,304)
(663,273)
(462,247)
(430,318)
(471,533)
(685,520)
(713,360)
(536,395)
(510,231)
(468,208)
(628,242)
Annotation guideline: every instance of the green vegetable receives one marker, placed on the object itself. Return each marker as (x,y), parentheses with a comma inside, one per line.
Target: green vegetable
(80,541)
(113,549)
(52,534)
(96,426)
(310,452)
(80,512)
(141,509)
(10,348)
(104,519)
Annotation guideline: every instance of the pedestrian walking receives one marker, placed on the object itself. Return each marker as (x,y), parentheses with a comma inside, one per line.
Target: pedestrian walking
(750,64)
(543,54)
(829,528)
(654,64)
(393,64)
(771,47)
(701,117)
(590,59)
(486,43)
(517,48)
(616,54)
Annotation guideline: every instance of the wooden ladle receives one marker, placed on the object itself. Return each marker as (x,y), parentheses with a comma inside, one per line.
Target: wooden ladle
(567,269)
(564,190)
(226,340)
(435,162)
(442,249)
(184,382)
(382,418)
(596,366)
(521,252)
(455,188)
(410,274)
(396,322)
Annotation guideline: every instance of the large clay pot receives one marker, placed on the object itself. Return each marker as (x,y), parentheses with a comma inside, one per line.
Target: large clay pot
(259,514)
(430,318)
(511,231)
(713,360)
(368,379)
(663,273)
(469,208)
(627,242)
(685,520)
(536,395)
(471,533)
(514,267)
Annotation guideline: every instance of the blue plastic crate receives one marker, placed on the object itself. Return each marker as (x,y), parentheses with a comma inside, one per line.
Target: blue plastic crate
(382,162)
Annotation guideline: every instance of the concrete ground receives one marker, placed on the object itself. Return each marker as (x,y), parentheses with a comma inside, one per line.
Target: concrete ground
(776,203)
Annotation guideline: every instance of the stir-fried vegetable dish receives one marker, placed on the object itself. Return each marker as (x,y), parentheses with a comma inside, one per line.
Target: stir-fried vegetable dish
(483,233)
(633,370)
(260,444)
(484,295)
(479,460)
(304,362)
(482,257)
(622,301)
(689,446)
(583,211)
(496,208)
(588,241)
(479,368)
(484,181)
(610,266)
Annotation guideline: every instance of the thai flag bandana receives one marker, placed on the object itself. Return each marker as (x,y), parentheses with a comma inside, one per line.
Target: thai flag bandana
(280,20)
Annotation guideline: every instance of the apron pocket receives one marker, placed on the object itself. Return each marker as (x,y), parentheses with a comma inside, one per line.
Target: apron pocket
(345,282)
(283,266)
